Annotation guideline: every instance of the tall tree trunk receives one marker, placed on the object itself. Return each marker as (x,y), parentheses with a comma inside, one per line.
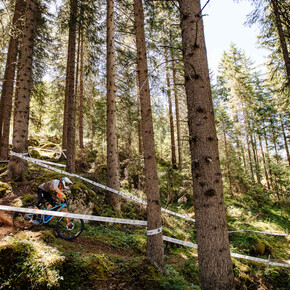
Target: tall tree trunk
(268,159)
(285,139)
(264,163)
(214,258)
(70,93)
(240,143)
(17,166)
(282,38)
(172,135)
(248,143)
(81,108)
(77,67)
(155,251)
(8,83)
(176,110)
(140,143)
(16,93)
(228,162)
(112,141)
(256,159)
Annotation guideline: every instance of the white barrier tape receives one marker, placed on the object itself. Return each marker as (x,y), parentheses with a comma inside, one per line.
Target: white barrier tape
(62,153)
(50,163)
(234,255)
(132,222)
(36,161)
(239,256)
(179,242)
(154,232)
(73,215)
(266,233)
(4,161)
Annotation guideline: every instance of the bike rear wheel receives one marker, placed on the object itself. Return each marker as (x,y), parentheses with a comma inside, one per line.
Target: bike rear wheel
(68,228)
(25,221)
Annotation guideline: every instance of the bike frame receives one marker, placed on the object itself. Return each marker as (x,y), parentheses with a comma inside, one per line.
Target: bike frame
(47,218)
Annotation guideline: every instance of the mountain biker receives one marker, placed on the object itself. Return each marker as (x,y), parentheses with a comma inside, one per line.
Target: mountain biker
(45,189)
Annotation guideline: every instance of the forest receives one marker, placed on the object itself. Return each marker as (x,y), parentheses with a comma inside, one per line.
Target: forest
(118,96)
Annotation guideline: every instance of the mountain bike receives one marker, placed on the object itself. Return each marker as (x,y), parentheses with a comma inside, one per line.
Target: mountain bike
(66,228)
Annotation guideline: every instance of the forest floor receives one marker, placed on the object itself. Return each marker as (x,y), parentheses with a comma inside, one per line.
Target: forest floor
(112,256)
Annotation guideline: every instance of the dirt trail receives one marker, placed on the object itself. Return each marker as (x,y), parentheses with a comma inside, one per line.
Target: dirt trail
(6,225)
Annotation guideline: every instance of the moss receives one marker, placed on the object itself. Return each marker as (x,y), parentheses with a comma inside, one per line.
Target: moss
(26,262)
(77,186)
(259,247)
(28,198)
(33,142)
(3,168)
(4,189)
(49,145)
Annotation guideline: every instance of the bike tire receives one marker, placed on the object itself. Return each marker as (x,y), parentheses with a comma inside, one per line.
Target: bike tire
(22,220)
(69,233)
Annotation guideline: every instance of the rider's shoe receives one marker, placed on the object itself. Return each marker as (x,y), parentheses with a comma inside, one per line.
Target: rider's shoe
(35,222)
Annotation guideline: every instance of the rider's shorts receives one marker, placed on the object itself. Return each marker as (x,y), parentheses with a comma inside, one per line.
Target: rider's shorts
(42,196)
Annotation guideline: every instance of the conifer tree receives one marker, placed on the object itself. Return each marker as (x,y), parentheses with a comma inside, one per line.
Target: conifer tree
(112,144)
(155,251)
(70,102)
(8,83)
(215,263)
(17,166)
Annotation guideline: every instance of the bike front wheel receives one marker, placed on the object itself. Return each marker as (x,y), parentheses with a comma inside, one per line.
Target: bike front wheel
(68,228)
(25,221)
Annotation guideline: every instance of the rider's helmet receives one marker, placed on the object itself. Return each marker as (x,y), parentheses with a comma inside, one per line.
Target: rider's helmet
(65,181)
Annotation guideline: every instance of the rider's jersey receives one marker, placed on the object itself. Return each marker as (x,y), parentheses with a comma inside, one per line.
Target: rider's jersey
(51,186)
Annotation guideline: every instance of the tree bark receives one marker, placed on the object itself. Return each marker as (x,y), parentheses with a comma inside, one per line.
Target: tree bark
(268,159)
(282,38)
(176,111)
(81,108)
(228,162)
(214,258)
(140,143)
(172,135)
(70,92)
(112,141)
(256,158)
(17,166)
(285,139)
(8,83)
(155,251)
(264,162)
(248,143)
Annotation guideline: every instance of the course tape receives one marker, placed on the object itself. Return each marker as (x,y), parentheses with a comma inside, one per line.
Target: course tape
(265,233)
(179,242)
(73,215)
(49,163)
(154,232)
(132,222)
(234,255)
(36,161)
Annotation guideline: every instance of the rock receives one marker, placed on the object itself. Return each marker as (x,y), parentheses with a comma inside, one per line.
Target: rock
(35,154)
(259,247)
(79,200)
(182,199)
